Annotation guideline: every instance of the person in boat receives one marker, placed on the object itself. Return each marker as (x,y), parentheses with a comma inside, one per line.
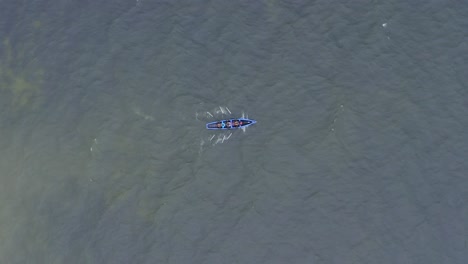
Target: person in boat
(228,124)
(219,125)
(236,123)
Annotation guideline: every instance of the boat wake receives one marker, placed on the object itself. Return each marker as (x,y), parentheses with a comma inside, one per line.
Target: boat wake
(219,112)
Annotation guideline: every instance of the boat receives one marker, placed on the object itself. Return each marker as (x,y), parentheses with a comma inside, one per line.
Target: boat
(231,123)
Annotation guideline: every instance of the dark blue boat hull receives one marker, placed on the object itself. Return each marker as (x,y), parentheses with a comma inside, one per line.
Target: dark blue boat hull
(234,123)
